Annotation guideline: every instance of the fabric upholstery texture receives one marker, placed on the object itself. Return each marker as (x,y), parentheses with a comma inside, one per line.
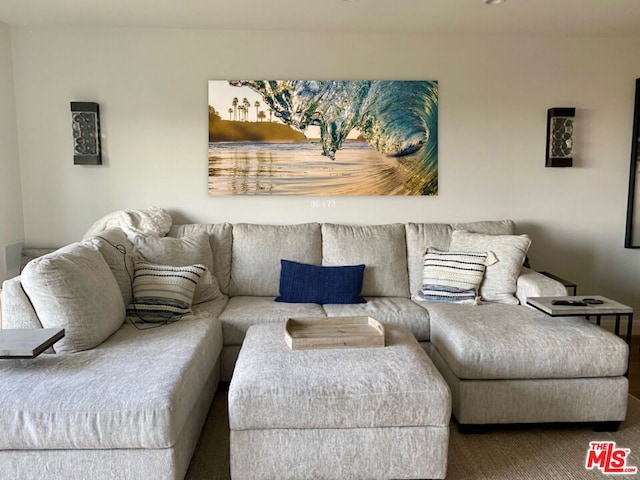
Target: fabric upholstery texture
(135,390)
(398,310)
(500,279)
(382,248)
(392,386)
(303,283)
(533,284)
(243,312)
(488,227)
(73,288)
(602,399)
(180,252)
(169,463)
(163,292)
(220,240)
(339,454)
(497,341)
(117,251)
(17,311)
(258,249)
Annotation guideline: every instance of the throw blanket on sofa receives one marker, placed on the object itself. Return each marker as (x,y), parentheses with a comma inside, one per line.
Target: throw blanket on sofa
(146,222)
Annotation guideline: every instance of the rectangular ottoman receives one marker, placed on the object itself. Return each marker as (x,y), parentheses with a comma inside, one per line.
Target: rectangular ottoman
(368,413)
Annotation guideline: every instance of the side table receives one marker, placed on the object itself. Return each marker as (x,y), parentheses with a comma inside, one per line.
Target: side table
(27,343)
(608,308)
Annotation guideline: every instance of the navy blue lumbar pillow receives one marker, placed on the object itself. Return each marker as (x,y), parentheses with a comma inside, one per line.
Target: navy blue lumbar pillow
(303,283)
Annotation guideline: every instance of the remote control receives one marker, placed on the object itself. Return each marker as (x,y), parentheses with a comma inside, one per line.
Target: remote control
(592,301)
(572,303)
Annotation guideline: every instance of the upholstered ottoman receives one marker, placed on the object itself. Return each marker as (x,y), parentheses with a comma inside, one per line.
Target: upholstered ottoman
(369,413)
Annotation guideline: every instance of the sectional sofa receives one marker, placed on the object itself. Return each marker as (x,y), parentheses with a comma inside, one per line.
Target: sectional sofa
(128,401)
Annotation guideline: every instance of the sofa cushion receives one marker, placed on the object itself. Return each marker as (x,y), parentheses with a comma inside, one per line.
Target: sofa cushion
(136,390)
(390,310)
(220,239)
(500,278)
(488,227)
(117,251)
(303,283)
(421,236)
(73,288)
(243,311)
(497,341)
(382,248)
(258,249)
(163,292)
(181,252)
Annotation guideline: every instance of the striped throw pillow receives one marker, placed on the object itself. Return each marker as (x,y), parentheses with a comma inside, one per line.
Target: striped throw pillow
(453,276)
(162,292)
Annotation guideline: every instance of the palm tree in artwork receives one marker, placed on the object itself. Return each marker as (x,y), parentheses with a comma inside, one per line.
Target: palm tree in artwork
(261,115)
(230,113)
(246,104)
(270,113)
(234,103)
(257,105)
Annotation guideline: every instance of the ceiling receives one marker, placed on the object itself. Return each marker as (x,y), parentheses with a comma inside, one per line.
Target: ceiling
(528,17)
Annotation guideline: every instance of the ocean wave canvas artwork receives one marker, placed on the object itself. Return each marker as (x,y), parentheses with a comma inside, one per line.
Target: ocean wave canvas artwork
(323,137)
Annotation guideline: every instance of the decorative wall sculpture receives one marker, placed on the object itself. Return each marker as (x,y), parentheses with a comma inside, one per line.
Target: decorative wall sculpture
(322,137)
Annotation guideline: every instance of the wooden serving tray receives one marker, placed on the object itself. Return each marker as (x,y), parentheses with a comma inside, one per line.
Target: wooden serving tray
(333,332)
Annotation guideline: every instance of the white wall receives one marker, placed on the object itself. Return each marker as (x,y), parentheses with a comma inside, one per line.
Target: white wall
(11,219)
(494,93)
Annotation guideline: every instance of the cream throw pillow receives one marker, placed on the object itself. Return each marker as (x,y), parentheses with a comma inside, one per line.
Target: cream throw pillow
(500,279)
(182,252)
(73,288)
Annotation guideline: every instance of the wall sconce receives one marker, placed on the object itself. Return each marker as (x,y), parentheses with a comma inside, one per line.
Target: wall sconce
(560,137)
(85,123)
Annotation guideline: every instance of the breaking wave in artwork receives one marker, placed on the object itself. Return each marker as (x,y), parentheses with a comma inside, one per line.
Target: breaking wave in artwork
(397,118)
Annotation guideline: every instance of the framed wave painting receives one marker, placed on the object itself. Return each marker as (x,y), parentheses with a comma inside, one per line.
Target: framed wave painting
(323,137)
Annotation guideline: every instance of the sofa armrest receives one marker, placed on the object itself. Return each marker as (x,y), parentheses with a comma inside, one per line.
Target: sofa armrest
(17,311)
(534,284)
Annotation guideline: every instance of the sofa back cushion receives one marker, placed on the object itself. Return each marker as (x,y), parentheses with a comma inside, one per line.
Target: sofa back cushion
(73,288)
(17,311)
(421,236)
(381,248)
(220,240)
(258,249)
(117,251)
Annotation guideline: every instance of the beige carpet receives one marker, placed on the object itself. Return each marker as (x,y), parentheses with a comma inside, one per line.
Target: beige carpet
(507,453)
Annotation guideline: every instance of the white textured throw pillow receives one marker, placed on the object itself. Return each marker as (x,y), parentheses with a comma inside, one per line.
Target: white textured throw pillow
(453,276)
(73,288)
(500,279)
(181,252)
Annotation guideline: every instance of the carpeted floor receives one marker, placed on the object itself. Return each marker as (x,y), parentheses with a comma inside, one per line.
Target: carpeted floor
(540,453)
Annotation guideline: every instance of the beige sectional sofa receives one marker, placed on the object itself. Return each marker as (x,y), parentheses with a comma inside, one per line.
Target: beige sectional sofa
(504,362)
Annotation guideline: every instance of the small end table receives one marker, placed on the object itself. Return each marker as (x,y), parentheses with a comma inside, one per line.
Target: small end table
(608,308)
(27,343)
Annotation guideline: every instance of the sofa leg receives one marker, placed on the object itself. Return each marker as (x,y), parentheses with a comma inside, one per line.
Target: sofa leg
(606,426)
